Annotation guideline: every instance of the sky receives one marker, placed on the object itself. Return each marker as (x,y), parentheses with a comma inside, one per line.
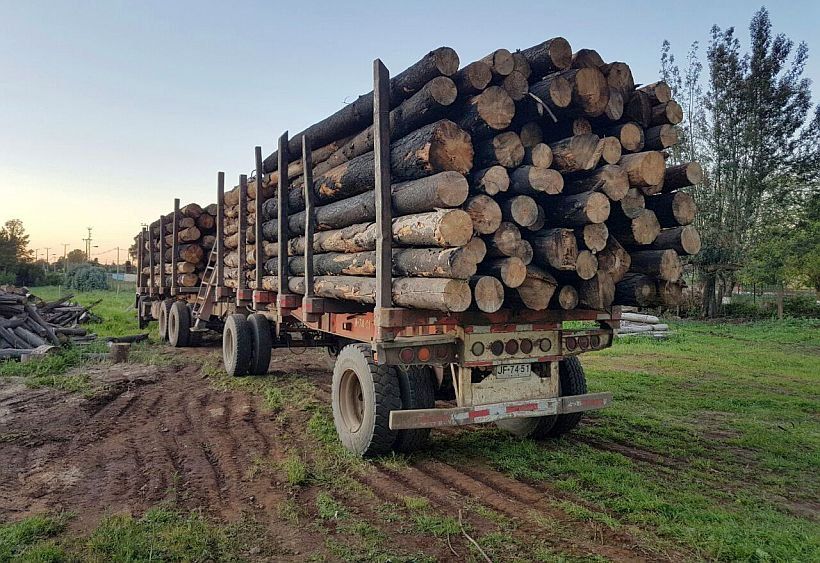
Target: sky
(109,110)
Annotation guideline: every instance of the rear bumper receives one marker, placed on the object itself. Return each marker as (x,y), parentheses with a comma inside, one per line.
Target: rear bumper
(457,416)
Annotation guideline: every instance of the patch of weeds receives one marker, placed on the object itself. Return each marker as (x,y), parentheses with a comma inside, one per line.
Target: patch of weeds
(296,471)
(328,508)
(583,513)
(50,371)
(149,354)
(33,538)
(436,525)
(288,511)
(416,504)
(489,514)
(395,461)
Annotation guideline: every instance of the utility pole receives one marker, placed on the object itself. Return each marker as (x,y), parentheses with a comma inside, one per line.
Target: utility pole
(88,245)
(46,266)
(118,270)
(65,257)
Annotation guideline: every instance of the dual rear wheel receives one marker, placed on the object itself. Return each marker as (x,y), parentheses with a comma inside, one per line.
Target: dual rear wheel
(246,345)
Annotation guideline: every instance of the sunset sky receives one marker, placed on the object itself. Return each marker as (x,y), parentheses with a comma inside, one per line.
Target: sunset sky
(109,110)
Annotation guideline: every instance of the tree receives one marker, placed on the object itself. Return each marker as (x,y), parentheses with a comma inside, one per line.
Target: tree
(76,256)
(13,245)
(752,137)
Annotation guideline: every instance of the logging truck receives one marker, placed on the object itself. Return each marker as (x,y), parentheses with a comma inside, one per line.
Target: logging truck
(398,344)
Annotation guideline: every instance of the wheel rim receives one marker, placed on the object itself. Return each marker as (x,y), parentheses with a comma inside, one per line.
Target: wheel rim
(172,327)
(229,345)
(351,397)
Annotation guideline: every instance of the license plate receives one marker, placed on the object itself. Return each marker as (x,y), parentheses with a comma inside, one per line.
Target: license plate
(513,370)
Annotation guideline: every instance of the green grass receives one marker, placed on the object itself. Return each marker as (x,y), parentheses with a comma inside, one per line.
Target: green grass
(712,443)
(119,318)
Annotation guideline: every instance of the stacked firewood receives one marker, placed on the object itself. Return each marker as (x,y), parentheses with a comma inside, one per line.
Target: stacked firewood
(196,229)
(31,326)
(535,179)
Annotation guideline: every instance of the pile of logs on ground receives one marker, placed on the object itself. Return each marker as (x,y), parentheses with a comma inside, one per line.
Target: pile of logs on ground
(196,229)
(31,326)
(528,179)
(642,324)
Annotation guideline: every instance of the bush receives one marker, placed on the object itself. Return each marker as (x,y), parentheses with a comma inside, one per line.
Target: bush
(797,306)
(7,278)
(801,306)
(87,278)
(55,278)
(29,274)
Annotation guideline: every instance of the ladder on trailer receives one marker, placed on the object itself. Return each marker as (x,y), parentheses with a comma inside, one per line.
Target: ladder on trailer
(206,296)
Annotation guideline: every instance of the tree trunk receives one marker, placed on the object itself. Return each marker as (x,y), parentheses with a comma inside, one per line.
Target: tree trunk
(504,149)
(531,180)
(619,76)
(566,298)
(539,155)
(609,179)
(500,61)
(566,128)
(609,149)
(615,107)
(476,248)
(658,92)
(575,153)
(452,263)
(586,58)
(681,176)
(673,209)
(635,290)
(504,241)
(641,229)
(639,109)
(531,134)
(488,293)
(484,212)
(631,136)
(540,221)
(491,180)
(663,264)
(555,248)
(669,112)
(516,85)
(577,210)
(590,91)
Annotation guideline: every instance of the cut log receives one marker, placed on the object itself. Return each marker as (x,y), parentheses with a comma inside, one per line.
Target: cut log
(566,128)
(683,240)
(556,248)
(356,116)
(438,294)
(586,58)
(597,292)
(669,112)
(539,155)
(645,169)
(663,264)
(504,241)
(661,137)
(575,153)
(540,221)
(473,78)
(639,317)
(619,76)
(554,92)
(615,106)
(681,176)
(537,289)
(192,253)
(550,56)
(590,91)
(487,113)
(592,237)
(566,297)
(510,270)
(614,259)
(484,212)
(191,234)
(521,210)
(639,109)
(673,209)
(586,265)
(577,210)
(452,263)
(523,250)
(635,290)
(630,135)
(529,180)
(500,61)
(658,92)
(631,205)
(476,248)
(610,149)
(516,85)
(609,179)
(521,65)
(670,294)
(488,293)
(446,189)
(492,180)
(641,229)
(531,134)
(504,149)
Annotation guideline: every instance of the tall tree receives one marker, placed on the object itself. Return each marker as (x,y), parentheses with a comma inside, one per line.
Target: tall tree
(13,245)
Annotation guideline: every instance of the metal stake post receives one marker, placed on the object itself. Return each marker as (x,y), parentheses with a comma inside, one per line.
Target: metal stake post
(383,195)
(258,258)
(162,255)
(175,248)
(220,233)
(151,262)
(243,227)
(309,301)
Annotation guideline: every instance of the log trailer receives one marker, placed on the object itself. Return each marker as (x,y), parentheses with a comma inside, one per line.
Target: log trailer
(517,368)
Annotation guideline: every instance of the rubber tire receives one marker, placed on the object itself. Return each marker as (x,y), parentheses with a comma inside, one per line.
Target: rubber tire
(380,395)
(164,310)
(535,427)
(572,382)
(262,344)
(418,391)
(237,345)
(179,325)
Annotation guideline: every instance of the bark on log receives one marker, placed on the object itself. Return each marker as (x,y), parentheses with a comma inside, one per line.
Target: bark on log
(590,90)
(540,221)
(521,210)
(663,264)
(639,109)
(504,149)
(516,85)
(577,210)
(531,134)
(586,58)
(356,116)
(592,237)
(556,248)
(452,263)
(669,112)
(510,270)
(681,176)
(631,205)
(619,76)
(550,56)
(438,294)
(488,293)
(504,241)
(473,78)
(673,209)
(487,113)
(658,92)
(537,289)
(575,153)
(614,259)
(521,65)
(661,137)
(500,61)
(530,180)
(484,212)
(645,169)
(597,292)
(683,240)
(635,290)
(609,179)
(492,180)
(631,136)
(670,294)
(642,229)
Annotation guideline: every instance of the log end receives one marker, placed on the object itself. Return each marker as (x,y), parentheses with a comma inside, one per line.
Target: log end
(446,60)
(488,293)
(455,228)
(451,148)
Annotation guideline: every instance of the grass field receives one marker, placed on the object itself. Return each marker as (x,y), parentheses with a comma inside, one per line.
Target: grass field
(711,449)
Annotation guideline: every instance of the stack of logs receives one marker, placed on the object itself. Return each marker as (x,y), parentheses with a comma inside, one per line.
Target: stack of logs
(535,179)
(31,326)
(196,228)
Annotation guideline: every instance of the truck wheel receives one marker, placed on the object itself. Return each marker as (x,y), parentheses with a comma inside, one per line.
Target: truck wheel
(418,391)
(536,427)
(179,325)
(164,310)
(572,382)
(363,394)
(262,344)
(237,345)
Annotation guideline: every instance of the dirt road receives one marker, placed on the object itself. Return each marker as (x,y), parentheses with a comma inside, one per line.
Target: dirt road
(150,435)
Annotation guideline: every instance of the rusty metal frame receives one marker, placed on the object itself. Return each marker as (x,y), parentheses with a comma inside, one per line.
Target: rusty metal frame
(383,193)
